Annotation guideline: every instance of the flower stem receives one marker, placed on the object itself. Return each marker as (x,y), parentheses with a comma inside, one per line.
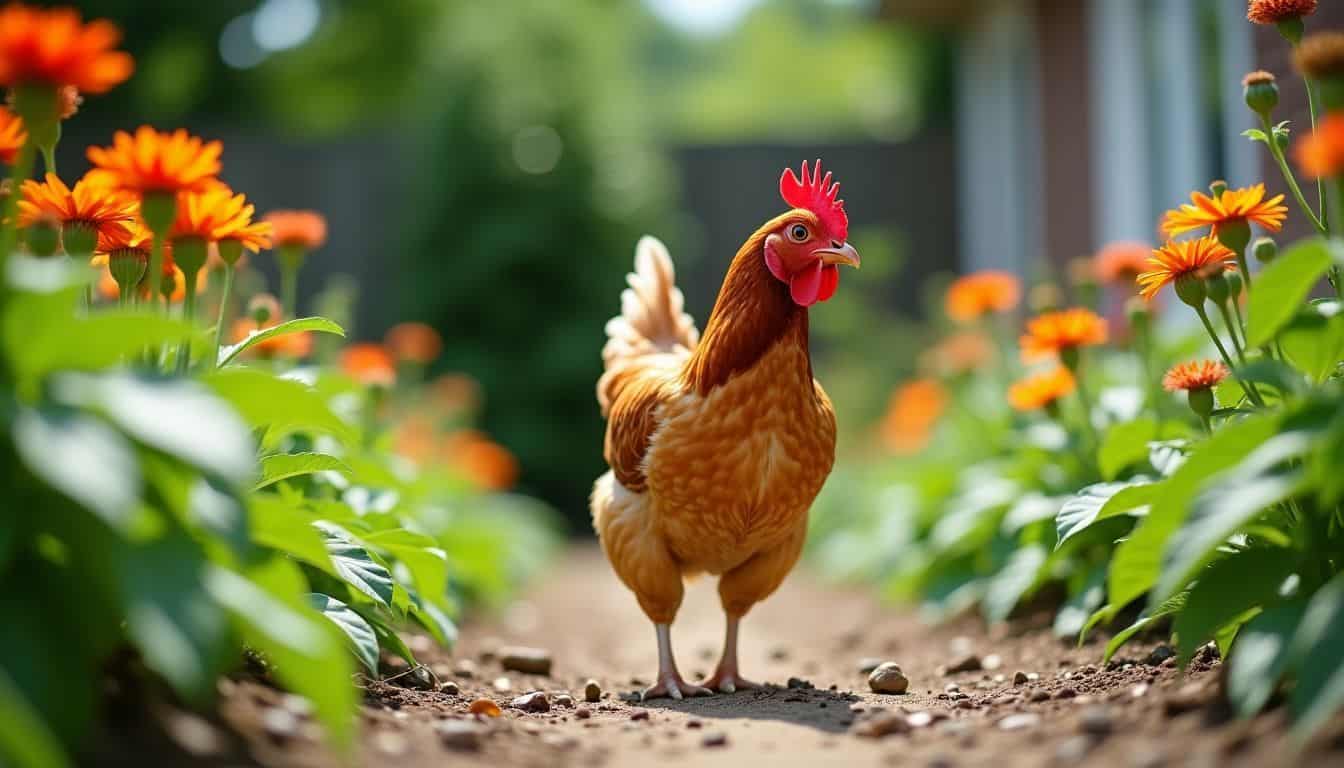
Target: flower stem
(223,308)
(1251,394)
(49,158)
(155,273)
(1320,183)
(1232,333)
(1288,177)
(188,314)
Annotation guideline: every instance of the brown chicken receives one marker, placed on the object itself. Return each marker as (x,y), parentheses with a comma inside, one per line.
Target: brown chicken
(719,444)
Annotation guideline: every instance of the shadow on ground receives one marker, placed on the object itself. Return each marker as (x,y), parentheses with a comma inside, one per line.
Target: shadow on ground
(823,710)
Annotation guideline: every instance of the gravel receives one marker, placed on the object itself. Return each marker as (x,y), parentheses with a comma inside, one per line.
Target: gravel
(531,661)
(888,678)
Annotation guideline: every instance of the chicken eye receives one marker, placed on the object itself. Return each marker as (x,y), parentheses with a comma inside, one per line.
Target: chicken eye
(798,233)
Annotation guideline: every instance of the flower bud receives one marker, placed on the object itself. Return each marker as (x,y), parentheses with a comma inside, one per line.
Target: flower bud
(1070,357)
(1235,235)
(1190,289)
(1265,249)
(43,237)
(1217,188)
(190,254)
(1261,92)
(1217,288)
(158,209)
(1234,284)
(167,284)
(263,308)
(1201,401)
(1138,312)
(127,267)
(80,240)
(1044,297)
(230,251)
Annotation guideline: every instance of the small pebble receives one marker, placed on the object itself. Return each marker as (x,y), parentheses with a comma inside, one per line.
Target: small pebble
(485,707)
(779,654)
(640,714)
(924,719)
(279,723)
(714,739)
(563,700)
(1160,654)
(869,663)
(1065,693)
(502,684)
(693,723)
(531,661)
(1097,721)
(797,683)
(465,668)
(532,702)
(881,724)
(888,678)
(592,691)
(1039,695)
(1074,749)
(450,688)
(583,713)
(992,662)
(1019,677)
(1019,721)
(967,663)
(460,734)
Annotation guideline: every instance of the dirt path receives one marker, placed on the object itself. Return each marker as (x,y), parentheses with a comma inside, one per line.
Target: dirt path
(1134,713)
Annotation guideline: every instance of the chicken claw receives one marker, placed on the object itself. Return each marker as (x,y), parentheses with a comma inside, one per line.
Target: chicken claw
(672,686)
(728,681)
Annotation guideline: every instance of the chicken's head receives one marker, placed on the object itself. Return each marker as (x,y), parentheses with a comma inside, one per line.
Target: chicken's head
(806,245)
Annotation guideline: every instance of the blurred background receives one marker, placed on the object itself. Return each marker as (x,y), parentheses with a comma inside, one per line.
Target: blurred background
(487,167)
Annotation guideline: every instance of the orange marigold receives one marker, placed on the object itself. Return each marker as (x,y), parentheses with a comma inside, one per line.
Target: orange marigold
(218,214)
(913,411)
(416,342)
(1235,205)
(1320,154)
(370,364)
(453,393)
(1121,262)
(1041,390)
(975,295)
(1053,332)
(959,353)
(1274,11)
(133,236)
(12,135)
(486,463)
(303,229)
(54,47)
(108,212)
(150,161)
(1177,259)
(1197,374)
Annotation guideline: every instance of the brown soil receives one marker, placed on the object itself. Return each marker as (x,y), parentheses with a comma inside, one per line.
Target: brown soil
(1132,713)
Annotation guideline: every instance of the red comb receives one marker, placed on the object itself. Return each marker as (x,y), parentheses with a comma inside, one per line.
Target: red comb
(816,194)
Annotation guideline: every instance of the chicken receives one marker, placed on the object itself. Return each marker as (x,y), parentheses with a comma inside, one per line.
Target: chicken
(717,445)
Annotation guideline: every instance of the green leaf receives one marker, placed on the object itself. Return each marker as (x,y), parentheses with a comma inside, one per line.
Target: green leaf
(1125,444)
(1318,650)
(317,324)
(422,556)
(1100,501)
(283,466)
(24,738)
(1255,134)
(281,406)
(1226,590)
(278,525)
(355,565)
(1236,498)
(269,606)
(1084,598)
(181,632)
(1174,604)
(1314,343)
(363,641)
(387,637)
(41,344)
(1015,579)
(178,417)
(1137,560)
(1282,286)
(1261,655)
(1167,456)
(84,459)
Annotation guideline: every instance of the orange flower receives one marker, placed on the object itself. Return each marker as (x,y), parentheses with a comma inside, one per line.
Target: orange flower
(12,135)
(151,161)
(303,229)
(1177,259)
(959,353)
(454,392)
(54,47)
(1121,262)
(1041,390)
(68,101)
(179,279)
(106,211)
(981,293)
(1053,332)
(369,364)
(1197,374)
(1235,205)
(1320,56)
(913,411)
(1274,11)
(414,439)
(218,214)
(287,345)
(133,236)
(1320,154)
(486,463)
(416,342)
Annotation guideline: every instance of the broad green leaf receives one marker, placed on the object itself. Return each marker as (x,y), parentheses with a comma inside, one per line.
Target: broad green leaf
(24,738)
(1313,342)
(84,459)
(1232,501)
(221,514)
(1015,579)
(422,556)
(1103,615)
(1174,604)
(278,525)
(1094,503)
(1318,651)
(314,324)
(1167,456)
(1136,564)
(1282,286)
(1260,656)
(1125,444)
(434,619)
(363,641)
(1227,589)
(176,416)
(388,638)
(281,406)
(180,631)
(355,565)
(283,466)
(269,605)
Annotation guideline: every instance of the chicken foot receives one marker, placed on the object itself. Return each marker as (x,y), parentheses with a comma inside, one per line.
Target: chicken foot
(670,682)
(726,678)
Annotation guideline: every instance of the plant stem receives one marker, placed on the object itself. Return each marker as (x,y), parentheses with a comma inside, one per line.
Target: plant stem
(1245,268)
(49,159)
(1251,394)
(155,273)
(1320,184)
(223,308)
(188,314)
(1232,333)
(1288,177)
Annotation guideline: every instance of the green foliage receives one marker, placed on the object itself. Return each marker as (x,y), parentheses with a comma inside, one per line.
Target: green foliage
(1282,286)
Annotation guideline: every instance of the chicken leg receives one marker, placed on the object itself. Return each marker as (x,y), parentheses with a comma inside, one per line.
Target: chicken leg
(670,682)
(726,678)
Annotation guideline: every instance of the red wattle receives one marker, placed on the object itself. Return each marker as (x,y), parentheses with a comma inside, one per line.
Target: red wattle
(774,264)
(830,279)
(806,285)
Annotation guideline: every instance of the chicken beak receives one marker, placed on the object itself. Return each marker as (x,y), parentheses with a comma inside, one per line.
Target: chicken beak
(845,254)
